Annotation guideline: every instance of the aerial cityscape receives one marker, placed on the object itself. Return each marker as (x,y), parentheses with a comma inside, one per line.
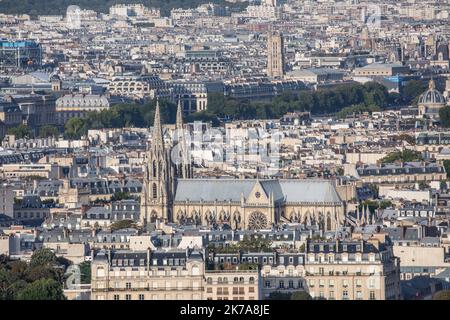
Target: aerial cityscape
(225,150)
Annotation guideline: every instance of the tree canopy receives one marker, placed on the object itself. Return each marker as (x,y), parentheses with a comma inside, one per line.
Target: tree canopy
(405,155)
(444,115)
(40,279)
(123,224)
(21,131)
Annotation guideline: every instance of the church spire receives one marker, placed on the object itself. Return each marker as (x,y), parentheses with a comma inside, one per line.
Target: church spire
(179,124)
(157,130)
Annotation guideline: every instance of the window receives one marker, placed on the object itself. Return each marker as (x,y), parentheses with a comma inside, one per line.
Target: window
(128,285)
(331,295)
(267,284)
(100,272)
(141,297)
(128,297)
(372,295)
(154,191)
(359,295)
(291,284)
(281,284)
(116,297)
(345,295)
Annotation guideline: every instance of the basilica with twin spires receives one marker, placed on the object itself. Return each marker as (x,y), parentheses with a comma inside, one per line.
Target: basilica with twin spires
(171,194)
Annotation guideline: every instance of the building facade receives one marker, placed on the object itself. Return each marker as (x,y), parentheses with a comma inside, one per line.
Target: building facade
(171,194)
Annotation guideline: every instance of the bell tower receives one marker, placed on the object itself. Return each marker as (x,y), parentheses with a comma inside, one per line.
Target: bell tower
(183,163)
(157,190)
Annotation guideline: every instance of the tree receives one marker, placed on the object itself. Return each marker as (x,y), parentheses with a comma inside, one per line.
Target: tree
(123,224)
(43,257)
(412,90)
(48,131)
(120,196)
(85,270)
(402,156)
(42,289)
(300,295)
(75,128)
(442,295)
(21,131)
(256,243)
(444,115)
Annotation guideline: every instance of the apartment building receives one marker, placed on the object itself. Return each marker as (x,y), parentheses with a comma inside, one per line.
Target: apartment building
(48,171)
(352,270)
(333,270)
(148,275)
(407,173)
(233,284)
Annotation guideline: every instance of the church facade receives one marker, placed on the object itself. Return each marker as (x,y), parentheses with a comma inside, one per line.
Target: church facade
(170,193)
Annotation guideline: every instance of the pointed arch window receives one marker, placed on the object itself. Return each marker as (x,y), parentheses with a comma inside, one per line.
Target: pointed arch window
(154,169)
(154,191)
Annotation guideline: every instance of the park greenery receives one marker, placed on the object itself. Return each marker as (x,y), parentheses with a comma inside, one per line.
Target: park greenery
(40,279)
(354,97)
(341,100)
(255,243)
(373,205)
(21,131)
(123,224)
(85,271)
(405,155)
(357,109)
(444,115)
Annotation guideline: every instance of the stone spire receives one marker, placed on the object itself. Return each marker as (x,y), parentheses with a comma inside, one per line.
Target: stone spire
(363,215)
(367,214)
(179,124)
(157,130)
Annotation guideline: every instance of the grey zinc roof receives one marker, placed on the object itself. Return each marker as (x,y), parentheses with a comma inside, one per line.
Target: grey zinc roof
(210,190)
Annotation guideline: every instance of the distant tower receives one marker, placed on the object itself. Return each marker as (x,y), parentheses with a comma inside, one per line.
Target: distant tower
(158,186)
(275,55)
(183,163)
